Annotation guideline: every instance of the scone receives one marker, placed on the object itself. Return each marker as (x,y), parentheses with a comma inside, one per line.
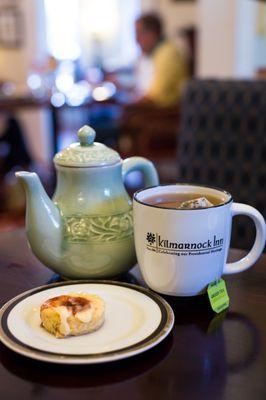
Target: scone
(73,314)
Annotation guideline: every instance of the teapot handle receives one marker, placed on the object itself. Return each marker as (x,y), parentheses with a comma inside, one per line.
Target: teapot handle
(143,165)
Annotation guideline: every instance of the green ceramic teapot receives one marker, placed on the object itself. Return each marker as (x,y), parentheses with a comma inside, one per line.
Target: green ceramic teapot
(86,231)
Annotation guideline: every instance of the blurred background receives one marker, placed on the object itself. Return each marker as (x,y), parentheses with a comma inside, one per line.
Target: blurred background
(133,70)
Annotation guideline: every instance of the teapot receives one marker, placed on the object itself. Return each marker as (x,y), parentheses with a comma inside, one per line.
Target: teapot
(86,230)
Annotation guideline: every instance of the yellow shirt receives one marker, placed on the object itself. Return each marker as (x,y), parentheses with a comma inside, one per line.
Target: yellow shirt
(169,75)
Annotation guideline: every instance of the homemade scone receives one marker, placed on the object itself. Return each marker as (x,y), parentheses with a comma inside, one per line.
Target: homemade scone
(73,314)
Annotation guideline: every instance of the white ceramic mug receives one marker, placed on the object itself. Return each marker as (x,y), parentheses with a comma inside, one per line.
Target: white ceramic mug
(181,251)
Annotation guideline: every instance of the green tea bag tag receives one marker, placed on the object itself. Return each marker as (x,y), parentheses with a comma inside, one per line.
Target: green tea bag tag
(218,296)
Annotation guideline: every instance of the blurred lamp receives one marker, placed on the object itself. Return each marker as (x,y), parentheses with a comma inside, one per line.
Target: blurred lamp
(34,81)
(8,88)
(64,82)
(78,94)
(104,92)
(58,99)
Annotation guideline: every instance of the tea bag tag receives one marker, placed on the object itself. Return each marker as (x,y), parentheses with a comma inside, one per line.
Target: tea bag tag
(218,296)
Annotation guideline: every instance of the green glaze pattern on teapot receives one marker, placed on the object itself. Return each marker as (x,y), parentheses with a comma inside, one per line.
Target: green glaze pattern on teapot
(79,228)
(86,231)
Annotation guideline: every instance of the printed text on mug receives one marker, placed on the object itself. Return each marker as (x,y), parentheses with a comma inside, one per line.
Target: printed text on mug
(159,244)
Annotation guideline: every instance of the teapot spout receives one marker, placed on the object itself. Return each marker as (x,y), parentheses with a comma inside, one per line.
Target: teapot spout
(43,225)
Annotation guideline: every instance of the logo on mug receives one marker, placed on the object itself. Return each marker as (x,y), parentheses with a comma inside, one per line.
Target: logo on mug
(159,244)
(151,238)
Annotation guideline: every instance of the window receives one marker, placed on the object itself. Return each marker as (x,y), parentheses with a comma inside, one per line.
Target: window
(97,31)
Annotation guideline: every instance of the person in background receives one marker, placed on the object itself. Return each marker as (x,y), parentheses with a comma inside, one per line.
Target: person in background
(13,149)
(162,68)
(13,155)
(161,73)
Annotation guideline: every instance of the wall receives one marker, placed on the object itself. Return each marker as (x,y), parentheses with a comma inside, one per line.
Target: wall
(245,62)
(14,66)
(11,58)
(260,42)
(216,40)
(226,38)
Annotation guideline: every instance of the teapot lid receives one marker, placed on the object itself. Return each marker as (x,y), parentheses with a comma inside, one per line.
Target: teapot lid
(86,153)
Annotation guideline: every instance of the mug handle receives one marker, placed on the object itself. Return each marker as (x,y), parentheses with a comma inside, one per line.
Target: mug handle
(247,261)
(143,165)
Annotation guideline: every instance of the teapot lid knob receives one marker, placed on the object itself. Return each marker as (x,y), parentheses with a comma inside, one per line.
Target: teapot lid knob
(86,152)
(86,135)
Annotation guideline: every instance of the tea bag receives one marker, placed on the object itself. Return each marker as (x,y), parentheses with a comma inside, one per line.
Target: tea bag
(200,202)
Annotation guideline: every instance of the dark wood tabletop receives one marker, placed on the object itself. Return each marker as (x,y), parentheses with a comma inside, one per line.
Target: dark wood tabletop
(207,356)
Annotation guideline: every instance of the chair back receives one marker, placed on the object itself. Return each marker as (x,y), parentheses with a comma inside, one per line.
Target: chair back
(222,142)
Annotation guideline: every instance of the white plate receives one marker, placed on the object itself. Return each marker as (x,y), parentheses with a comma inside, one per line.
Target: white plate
(135,321)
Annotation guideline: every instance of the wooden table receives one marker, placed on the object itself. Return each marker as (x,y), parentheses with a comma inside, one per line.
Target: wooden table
(204,357)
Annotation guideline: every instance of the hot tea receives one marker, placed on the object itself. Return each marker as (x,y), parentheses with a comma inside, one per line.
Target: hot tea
(184,200)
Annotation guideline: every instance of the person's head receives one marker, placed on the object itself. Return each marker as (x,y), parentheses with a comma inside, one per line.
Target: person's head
(149,31)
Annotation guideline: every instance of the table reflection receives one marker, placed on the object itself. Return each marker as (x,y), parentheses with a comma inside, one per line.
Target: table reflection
(72,376)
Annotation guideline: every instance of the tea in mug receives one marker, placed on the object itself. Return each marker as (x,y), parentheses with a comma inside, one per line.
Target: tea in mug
(184,200)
